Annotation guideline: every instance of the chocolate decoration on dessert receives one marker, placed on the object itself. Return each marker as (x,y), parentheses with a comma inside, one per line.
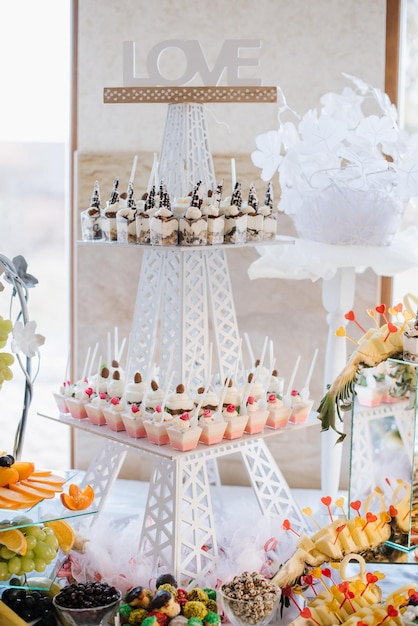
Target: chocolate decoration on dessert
(166,579)
(137,378)
(154,385)
(180,388)
(138,597)
(268,199)
(114,195)
(130,201)
(105,372)
(95,198)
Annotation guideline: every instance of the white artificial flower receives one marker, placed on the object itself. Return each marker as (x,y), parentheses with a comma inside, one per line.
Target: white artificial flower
(268,154)
(25,339)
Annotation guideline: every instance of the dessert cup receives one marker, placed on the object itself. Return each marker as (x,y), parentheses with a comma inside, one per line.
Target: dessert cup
(157,432)
(235,426)
(369,396)
(184,440)
(278,418)
(134,426)
(212,432)
(95,414)
(256,422)
(300,412)
(77,408)
(410,348)
(61,403)
(113,419)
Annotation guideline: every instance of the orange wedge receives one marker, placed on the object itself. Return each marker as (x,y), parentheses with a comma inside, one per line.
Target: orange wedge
(8,475)
(14,540)
(78,499)
(64,534)
(23,468)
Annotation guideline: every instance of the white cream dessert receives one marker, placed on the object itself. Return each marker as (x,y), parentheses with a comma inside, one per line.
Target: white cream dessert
(108,214)
(254,387)
(126,219)
(115,386)
(156,426)
(91,220)
(278,412)
(270,220)
(193,225)
(300,408)
(102,379)
(215,220)
(154,398)
(179,402)
(143,217)
(257,416)
(135,390)
(180,206)
(235,221)
(94,409)
(232,395)
(210,400)
(163,225)
(275,384)
(255,218)
(236,423)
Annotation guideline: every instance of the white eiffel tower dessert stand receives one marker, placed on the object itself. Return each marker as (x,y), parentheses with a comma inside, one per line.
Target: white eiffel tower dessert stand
(184,296)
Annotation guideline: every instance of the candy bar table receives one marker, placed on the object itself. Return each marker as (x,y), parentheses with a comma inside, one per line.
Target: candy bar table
(337,267)
(178,531)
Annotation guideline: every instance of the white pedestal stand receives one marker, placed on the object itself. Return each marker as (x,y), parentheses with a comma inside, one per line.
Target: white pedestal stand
(337,298)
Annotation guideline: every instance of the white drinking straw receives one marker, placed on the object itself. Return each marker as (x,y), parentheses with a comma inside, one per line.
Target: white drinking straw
(304,394)
(86,364)
(233,174)
(292,379)
(133,170)
(153,174)
(109,350)
(121,349)
(271,353)
(249,387)
(195,416)
(167,389)
(98,374)
(263,352)
(116,342)
(223,392)
(93,358)
(249,348)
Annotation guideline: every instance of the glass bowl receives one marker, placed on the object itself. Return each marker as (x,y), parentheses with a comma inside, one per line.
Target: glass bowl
(95,616)
(257,611)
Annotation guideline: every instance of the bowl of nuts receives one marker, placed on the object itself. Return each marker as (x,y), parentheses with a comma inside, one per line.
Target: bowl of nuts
(249,599)
(87,604)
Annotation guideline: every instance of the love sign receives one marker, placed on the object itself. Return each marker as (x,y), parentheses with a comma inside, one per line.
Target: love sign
(228,62)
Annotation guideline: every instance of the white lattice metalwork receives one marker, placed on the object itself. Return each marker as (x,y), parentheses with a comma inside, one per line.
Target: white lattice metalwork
(270,487)
(103,471)
(184,302)
(185,155)
(178,533)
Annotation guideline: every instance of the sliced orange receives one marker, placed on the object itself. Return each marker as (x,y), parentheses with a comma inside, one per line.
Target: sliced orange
(19,498)
(14,540)
(41,487)
(64,534)
(50,479)
(23,468)
(78,499)
(30,491)
(8,475)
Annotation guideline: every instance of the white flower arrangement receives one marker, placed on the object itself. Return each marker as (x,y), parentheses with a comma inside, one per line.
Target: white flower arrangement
(346,169)
(25,342)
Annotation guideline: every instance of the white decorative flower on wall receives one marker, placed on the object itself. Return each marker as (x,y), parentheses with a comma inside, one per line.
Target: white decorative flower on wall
(345,169)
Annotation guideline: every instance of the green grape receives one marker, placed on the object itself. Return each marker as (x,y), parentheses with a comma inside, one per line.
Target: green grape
(48,531)
(14,565)
(30,554)
(4,571)
(45,552)
(27,564)
(35,531)
(40,565)
(30,542)
(6,554)
(52,541)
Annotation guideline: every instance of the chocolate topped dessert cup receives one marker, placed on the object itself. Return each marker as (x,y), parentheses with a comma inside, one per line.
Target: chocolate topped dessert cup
(270,220)
(255,219)
(143,218)
(91,219)
(215,220)
(235,220)
(164,226)
(108,214)
(193,228)
(410,342)
(126,219)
